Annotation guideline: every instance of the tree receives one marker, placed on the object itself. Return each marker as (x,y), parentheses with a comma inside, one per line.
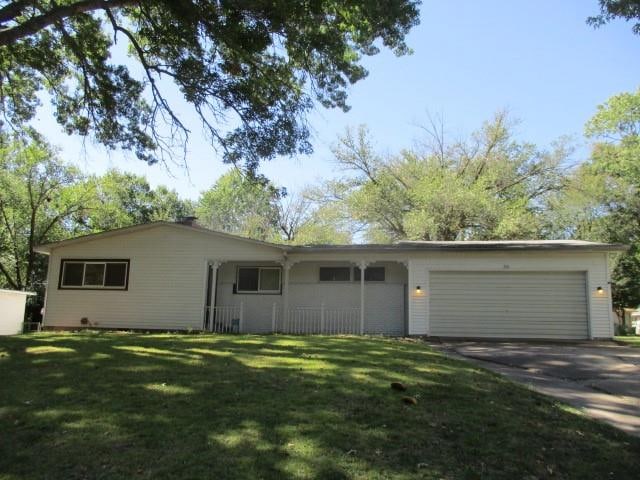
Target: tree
(615,128)
(251,70)
(241,204)
(303,220)
(124,199)
(489,186)
(252,206)
(580,209)
(612,9)
(39,197)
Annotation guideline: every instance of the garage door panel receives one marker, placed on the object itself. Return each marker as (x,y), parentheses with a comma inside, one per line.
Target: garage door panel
(509,304)
(491,309)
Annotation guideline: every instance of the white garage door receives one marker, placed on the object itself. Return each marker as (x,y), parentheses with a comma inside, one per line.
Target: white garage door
(509,304)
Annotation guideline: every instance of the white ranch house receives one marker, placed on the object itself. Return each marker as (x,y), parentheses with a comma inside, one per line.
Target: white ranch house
(179,276)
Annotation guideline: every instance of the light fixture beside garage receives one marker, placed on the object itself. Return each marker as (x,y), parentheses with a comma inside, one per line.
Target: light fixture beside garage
(600,291)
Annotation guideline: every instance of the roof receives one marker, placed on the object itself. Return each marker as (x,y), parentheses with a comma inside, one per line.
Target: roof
(470,245)
(403,245)
(47,247)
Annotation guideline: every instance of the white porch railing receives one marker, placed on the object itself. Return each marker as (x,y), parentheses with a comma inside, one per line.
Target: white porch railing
(224,318)
(317,321)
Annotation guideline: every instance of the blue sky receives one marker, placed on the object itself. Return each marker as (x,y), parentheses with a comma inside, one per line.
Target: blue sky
(536,58)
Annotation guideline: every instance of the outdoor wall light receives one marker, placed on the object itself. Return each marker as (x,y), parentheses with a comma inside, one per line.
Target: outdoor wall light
(418,290)
(599,290)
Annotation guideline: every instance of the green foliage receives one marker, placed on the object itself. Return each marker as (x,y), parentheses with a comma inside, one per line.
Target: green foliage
(612,9)
(124,199)
(42,200)
(626,279)
(241,204)
(581,209)
(254,207)
(303,221)
(615,168)
(251,70)
(39,196)
(489,186)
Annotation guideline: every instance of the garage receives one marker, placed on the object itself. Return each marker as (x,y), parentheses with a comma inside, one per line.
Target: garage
(509,304)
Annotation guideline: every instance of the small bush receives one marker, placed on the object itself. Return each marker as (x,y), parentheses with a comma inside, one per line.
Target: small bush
(624,330)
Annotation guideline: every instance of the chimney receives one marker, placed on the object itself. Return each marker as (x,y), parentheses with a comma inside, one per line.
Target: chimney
(190,221)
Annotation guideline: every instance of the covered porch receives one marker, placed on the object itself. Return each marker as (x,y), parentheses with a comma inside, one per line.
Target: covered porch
(329,295)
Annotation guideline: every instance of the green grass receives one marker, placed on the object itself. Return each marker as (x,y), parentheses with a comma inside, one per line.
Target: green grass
(133,406)
(632,341)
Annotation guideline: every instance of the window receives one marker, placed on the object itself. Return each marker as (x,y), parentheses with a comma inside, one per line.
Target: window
(371,274)
(335,274)
(94,274)
(269,279)
(258,280)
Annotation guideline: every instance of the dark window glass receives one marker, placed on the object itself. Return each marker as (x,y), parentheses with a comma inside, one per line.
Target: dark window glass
(94,274)
(72,274)
(374,274)
(371,274)
(335,274)
(116,275)
(248,279)
(270,279)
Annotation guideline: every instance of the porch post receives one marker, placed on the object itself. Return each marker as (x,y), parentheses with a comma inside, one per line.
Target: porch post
(363,266)
(286,266)
(274,308)
(214,286)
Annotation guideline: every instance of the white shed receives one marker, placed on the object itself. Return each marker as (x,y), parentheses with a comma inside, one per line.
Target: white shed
(12,303)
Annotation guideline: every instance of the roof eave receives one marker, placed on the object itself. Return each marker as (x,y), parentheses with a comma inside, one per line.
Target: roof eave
(46,248)
(461,248)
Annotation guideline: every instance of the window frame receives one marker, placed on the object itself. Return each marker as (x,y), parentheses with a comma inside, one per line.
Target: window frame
(237,290)
(347,267)
(85,261)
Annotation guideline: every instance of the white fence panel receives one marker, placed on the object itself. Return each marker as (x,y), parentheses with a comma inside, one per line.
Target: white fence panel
(318,321)
(225,319)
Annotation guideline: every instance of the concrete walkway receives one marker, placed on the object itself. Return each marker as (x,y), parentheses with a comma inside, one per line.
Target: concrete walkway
(603,379)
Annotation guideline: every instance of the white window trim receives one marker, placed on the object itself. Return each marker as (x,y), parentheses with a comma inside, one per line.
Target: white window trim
(258,291)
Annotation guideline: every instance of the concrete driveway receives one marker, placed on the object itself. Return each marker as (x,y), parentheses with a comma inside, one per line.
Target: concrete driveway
(603,379)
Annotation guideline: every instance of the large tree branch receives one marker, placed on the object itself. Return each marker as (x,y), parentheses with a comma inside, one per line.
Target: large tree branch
(13,9)
(10,280)
(157,95)
(57,14)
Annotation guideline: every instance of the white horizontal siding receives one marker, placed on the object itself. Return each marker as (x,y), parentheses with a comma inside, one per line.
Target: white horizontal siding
(422,265)
(418,301)
(166,279)
(600,305)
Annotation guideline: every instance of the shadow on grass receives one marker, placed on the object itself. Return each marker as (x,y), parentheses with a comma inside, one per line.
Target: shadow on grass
(108,405)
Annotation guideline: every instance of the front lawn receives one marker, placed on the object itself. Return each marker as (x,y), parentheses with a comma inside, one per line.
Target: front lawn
(630,341)
(133,406)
